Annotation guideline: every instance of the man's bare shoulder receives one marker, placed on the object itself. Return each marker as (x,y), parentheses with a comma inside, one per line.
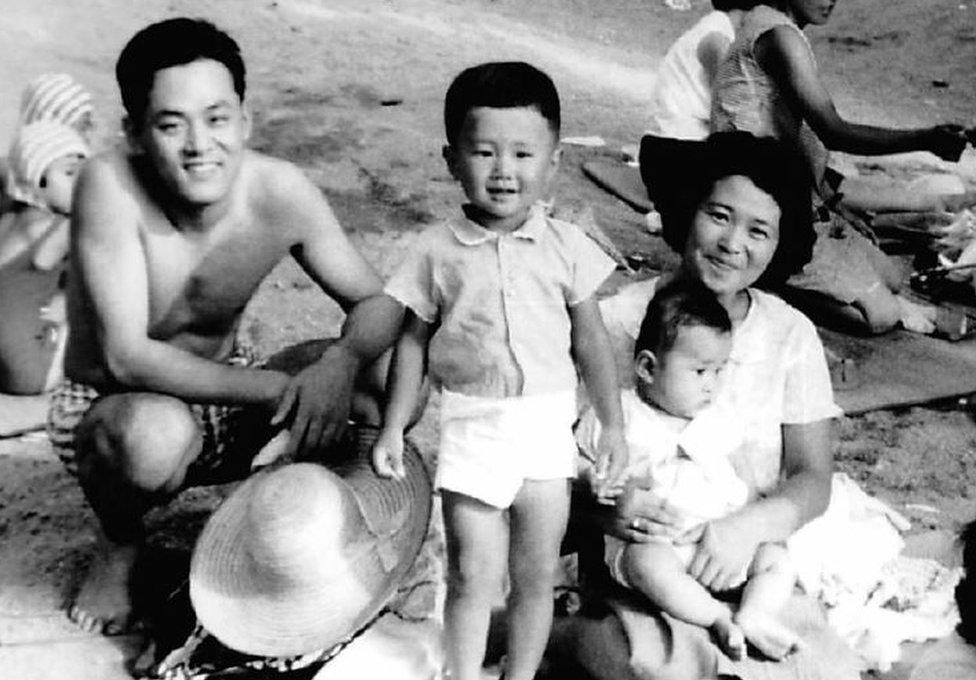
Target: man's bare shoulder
(273,179)
(279,191)
(108,185)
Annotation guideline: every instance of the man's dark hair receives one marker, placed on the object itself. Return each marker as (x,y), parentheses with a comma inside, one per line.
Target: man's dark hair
(679,304)
(172,42)
(500,85)
(966,588)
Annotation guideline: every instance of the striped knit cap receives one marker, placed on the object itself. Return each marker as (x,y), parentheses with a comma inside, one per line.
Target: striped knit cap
(35,147)
(55,96)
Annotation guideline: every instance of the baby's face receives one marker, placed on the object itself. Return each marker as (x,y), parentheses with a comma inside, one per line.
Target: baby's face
(59,181)
(685,377)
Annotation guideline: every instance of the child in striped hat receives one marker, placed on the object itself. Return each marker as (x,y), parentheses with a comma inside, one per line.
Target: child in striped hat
(44,161)
(58,97)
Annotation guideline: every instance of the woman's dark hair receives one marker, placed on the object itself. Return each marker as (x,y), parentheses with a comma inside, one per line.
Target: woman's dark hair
(687,173)
(500,85)
(966,588)
(172,42)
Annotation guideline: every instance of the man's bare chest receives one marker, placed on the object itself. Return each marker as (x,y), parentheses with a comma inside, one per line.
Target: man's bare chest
(202,282)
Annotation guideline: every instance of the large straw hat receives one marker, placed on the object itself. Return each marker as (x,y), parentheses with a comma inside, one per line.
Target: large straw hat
(300,557)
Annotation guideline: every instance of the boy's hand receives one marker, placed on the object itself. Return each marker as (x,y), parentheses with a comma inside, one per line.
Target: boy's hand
(271,451)
(611,463)
(388,455)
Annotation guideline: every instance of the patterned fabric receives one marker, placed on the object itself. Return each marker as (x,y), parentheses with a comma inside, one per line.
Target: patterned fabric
(34,147)
(219,424)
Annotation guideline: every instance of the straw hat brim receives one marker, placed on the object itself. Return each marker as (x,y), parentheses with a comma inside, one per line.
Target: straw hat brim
(367,546)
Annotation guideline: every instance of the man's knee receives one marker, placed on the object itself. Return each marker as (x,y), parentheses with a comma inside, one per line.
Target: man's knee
(146,439)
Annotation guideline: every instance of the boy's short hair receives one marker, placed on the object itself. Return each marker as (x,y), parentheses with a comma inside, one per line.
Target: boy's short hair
(172,42)
(679,304)
(966,588)
(500,85)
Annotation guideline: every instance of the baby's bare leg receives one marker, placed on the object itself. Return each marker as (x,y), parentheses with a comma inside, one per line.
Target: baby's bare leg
(655,570)
(538,520)
(770,584)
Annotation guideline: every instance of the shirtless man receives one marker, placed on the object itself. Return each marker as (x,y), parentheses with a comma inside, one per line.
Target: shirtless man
(170,239)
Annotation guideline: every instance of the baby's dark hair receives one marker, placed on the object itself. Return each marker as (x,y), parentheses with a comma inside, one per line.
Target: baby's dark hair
(172,42)
(679,304)
(966,588)
(500,85)
(729,5)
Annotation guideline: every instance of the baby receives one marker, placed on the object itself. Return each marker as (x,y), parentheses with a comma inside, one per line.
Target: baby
(681,446)
(44,161)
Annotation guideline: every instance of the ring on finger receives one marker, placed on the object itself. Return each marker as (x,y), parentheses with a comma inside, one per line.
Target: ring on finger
(635,524)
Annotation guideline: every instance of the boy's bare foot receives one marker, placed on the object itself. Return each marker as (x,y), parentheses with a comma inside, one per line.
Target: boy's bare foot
(766,634)
(729,637)
(103,605)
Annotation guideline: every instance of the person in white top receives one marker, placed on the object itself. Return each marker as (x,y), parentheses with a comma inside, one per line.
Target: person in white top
(682,97)
(683,445)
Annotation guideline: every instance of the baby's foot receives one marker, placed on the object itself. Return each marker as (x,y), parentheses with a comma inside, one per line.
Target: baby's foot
(766,634)
(729,637)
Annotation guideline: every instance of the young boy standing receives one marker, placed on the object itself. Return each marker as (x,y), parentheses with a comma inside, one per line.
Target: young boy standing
(683,447)
(500,303)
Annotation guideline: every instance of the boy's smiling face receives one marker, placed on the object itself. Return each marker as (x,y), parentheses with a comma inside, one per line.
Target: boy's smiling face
(504,160)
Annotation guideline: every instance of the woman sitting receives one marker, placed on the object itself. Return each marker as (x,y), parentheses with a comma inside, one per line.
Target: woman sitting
(742,223)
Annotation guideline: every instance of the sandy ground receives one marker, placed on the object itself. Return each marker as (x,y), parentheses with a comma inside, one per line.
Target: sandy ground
(352,91)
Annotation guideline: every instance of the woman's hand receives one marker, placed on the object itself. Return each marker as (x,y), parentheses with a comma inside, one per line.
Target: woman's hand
(725,549)
(640,516)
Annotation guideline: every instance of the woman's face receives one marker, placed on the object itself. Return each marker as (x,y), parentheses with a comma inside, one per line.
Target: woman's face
(733,236)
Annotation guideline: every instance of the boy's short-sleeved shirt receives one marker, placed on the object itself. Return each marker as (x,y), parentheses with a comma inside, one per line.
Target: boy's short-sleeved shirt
(500,302)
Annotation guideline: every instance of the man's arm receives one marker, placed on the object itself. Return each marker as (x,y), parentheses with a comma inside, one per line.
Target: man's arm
(317,400)
(594,355)
(786,57)
(111,266)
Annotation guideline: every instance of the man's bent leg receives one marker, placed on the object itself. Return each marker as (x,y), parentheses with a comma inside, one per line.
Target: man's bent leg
(132,452)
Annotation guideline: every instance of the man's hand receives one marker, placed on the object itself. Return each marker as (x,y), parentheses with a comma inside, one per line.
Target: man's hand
(388,454)
(317,401)
(726,547)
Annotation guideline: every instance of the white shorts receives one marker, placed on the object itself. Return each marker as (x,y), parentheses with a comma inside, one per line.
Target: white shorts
(489,446)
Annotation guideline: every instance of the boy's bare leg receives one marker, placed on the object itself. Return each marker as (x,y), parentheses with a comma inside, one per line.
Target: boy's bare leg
(477,543)
(656,571)
(132,452)
(770,584)
(538,520)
